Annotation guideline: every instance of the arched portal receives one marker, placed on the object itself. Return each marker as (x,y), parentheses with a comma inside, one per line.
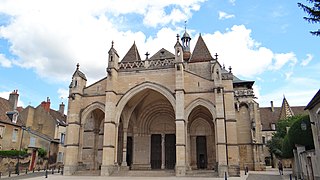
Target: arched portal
(146,138)
(91,137)
(201,139)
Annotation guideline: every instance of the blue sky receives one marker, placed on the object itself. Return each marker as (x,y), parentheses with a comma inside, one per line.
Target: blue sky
(41,41)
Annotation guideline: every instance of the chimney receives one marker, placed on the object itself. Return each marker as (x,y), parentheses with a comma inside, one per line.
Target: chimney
(61,108)
(272,108)
(46,105)
(13,99)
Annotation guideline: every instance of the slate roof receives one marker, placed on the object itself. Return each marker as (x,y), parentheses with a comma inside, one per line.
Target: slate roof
(314,101)
(60,119)
(79,73)
(132,55)
(201,52)
(267,116)
(4,108)
(162,54)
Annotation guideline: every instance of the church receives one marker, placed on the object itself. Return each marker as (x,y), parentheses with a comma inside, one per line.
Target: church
(180,111)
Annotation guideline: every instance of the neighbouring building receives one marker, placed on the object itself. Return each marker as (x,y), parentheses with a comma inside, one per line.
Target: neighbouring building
(10,122)
(269,117)
(180,111)
(311,160)
(44,128)
(32,128)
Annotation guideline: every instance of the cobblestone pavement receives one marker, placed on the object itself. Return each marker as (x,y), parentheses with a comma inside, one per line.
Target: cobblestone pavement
(269,174)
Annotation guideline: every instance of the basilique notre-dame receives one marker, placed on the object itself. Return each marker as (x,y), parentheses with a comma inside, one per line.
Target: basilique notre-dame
(182,111)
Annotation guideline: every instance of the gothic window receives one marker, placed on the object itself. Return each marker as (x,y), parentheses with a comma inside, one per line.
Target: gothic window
(62,137)
(111,58)
(60,156)
(75,83)
(263,140)
(178,53)
(273,126)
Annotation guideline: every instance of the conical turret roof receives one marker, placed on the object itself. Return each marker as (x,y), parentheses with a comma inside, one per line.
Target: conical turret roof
(132,55)
(201,52)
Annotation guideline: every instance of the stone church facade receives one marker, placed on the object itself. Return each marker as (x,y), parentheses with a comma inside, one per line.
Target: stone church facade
(180,111)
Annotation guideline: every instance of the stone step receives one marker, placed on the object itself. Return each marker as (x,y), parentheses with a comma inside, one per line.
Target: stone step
(144,173)
(87,173)
(202,173)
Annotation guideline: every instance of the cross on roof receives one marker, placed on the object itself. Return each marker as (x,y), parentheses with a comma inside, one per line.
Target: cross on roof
(147,54)
(216,56)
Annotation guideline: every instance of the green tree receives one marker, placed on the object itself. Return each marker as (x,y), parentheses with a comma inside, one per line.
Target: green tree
(313,13)
(276,144)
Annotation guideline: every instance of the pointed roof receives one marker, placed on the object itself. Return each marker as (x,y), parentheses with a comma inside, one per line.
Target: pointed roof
(314,101)
(286,110)
(201,52)
(112,50)
(132,54)
(79,73)
(162,54)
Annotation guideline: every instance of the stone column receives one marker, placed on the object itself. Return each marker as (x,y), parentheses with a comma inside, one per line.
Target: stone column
(72,138)
(124,149)
(220,134)
(109,137)
(163,154)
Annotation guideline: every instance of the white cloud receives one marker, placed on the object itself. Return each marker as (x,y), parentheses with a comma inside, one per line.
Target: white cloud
(52,36)
(4,62)
(282,58)
(224,15)
(307,60)
(294,90)
(63,93)
(246,55)
(233,2)
(5,95)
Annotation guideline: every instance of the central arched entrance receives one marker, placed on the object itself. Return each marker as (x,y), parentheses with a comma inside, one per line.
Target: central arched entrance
(146,132)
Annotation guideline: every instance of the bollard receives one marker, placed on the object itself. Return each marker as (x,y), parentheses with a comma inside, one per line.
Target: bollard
(32,170)
(9,173)
(38,169)
(27,171)
(0,174)
(62,171)
(290,176)
(52,170)
(225,175)
(46,174)
(58,169)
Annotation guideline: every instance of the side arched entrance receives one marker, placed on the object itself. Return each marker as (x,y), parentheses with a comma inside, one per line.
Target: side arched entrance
(201,136)
(91,137)
(146,132)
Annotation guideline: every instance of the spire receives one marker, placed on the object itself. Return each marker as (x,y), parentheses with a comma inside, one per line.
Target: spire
(186,39)
(132,54)
(201,52)
(286,110)
(112,50)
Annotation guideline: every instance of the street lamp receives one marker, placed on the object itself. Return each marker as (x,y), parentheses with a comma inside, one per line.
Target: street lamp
(303,126)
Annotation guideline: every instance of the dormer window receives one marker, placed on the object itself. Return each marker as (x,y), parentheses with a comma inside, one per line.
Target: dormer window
(273,126)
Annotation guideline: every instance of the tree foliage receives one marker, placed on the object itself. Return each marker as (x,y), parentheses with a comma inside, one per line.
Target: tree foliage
(299,136)
(283,141)
(42,153)
(313,13)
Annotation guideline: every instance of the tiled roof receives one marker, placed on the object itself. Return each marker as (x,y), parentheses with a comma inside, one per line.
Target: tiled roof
(201,52)
(267,116)
(132,54)
(4,108)
(162,54)
(61,119)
